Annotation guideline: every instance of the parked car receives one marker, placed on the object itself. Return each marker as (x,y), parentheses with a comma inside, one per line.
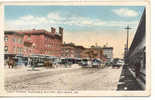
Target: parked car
(55,60)
(116,63)
(63,61)
(96,63)
(85,63)
(67,61)
(78,61)
(108,64)
(121,62)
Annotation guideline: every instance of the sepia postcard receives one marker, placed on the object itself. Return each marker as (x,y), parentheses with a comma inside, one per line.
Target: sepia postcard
(75,48)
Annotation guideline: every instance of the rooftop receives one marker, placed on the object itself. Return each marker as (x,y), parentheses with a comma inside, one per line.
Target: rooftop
(33,31)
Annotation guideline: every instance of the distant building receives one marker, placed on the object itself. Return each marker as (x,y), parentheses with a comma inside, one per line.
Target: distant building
(68,51)
(71,50)
(78,51)
(108,53)
(85,53)
(28,42)
(93,52)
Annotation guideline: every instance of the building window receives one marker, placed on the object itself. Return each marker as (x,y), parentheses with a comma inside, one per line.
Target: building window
(6,38)
(6,49)
(29,37)
(20,41)
(14,39)
(20,50)
(14,49)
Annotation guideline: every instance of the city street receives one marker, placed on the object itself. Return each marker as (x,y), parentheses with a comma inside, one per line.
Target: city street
(72,78)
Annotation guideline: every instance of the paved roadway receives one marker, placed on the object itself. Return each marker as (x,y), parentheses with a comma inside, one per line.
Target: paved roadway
(74,78)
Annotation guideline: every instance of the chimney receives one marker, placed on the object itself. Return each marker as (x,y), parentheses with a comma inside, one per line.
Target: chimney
(53,30)
(60,30)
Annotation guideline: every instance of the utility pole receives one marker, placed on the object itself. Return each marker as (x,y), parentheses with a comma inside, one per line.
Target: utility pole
(127,28)
(126,56)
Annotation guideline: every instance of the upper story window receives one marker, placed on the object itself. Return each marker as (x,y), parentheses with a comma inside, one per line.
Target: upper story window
(20,41)
(6,38)
(14,49)
(6,49)
(14,39)
(29,37)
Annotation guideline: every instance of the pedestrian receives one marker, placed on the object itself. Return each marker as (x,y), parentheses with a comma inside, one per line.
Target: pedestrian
(28,61)
(33,63)
(25,63)
(11,62)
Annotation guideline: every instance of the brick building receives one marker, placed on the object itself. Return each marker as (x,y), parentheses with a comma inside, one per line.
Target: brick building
(34,41)
(78,51)
(71,50)
(13,42)
(93,52)
(68,51)
(85,53)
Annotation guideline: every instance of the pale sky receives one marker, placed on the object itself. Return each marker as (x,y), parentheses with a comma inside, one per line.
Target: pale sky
(83,25)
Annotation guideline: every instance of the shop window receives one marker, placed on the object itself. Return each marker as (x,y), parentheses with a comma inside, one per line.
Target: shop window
(6,38)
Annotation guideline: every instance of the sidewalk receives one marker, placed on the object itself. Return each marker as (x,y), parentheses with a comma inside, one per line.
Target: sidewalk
(127,82)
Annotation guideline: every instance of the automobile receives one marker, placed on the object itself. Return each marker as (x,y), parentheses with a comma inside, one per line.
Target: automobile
(78,61)
(85,63)
(69,61)
(116,63)
(121,62)
(96,63)
(55,60)
(63,61)
(108,64)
